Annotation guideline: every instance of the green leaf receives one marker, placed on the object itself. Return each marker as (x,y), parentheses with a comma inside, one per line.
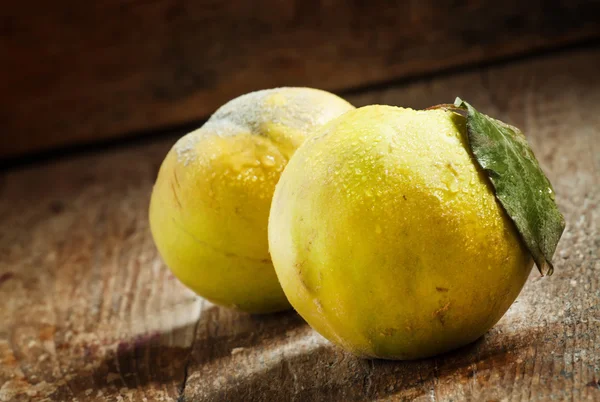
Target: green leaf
(520,184)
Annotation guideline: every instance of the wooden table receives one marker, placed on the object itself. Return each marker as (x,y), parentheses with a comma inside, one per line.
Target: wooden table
(89,311)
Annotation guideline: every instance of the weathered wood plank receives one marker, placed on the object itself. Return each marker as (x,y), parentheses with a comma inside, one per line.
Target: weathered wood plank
(75,72)
(89,312)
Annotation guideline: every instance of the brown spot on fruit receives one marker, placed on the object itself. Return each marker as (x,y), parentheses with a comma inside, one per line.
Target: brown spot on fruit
(452,169)
(304,281)
(440,313)
(389,332)
(441,289)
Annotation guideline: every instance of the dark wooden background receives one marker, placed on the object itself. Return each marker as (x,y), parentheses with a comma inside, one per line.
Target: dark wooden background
(77,72)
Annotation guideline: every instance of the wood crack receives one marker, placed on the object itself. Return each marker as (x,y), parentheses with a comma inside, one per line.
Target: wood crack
(188,361)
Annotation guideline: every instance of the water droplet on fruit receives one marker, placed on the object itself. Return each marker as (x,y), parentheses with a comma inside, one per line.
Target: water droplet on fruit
(368,193)
(268,160)
(378,229)
(450,182)
(453,186)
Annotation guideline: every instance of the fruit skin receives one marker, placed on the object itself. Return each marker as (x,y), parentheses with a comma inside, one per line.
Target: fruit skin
(387,238)
(210,204)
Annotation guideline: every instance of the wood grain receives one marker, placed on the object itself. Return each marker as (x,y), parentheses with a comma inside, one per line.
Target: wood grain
(77,72)
(89,312)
